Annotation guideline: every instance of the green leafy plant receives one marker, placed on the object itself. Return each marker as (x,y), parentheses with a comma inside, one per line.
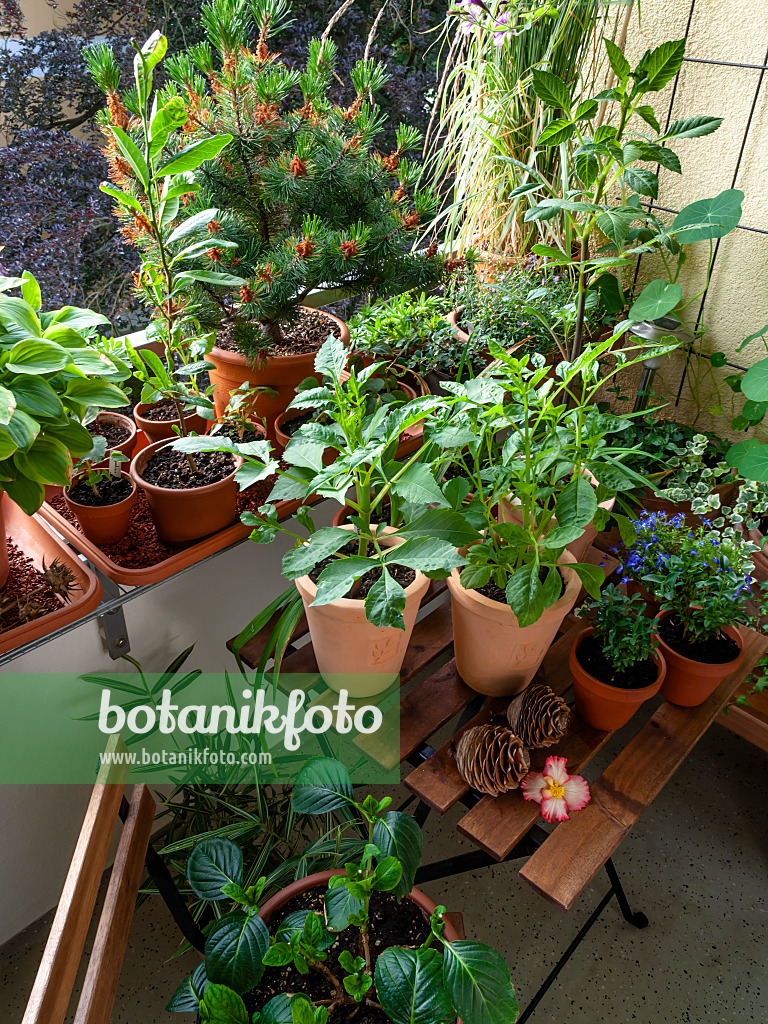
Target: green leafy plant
(364,428)
(625,632)
(86,471)
(278,186)
(750,457)
(50,373)
(151,166)
(238,415)
(444,979)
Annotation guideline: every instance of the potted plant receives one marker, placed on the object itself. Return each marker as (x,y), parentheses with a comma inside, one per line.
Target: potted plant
(615,663)
(361,582)
(49,375)
(118,430)
(102,497)
(332,958)
(238,422)
(702,580)
(277,189)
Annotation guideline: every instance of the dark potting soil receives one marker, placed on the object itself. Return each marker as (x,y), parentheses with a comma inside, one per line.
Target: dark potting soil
(289,427)
(593,660)
(401,573)
(26,596)
(306,334)
(391,924)
(171,469)
(115,433)
(141,548)
(495,593)
(110,492)
(161,412)
(715,650)
(233,434)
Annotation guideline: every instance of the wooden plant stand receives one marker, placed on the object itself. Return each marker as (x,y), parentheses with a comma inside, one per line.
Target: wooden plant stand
(558,865)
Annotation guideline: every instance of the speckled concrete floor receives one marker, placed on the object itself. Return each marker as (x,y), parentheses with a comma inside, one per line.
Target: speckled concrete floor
(695,864)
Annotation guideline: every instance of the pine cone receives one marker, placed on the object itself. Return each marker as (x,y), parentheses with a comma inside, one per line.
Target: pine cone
(491,759)
(538,716)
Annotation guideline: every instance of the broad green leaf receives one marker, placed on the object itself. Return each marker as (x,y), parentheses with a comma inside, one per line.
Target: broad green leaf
(427,554)
(754,383)
(331,358)
(278,1010)
(337,578)
(418,485)
(642,180)
(614,225)
(340,906)
(220,1005)
(398,835)
(474,577)
(718,216)
(95,392)
(619,63)
(322,785)
(8,402)
(387,874)
(648,114)
(30,291)
(234,950)
(47,461)
(737,451)
(441,524)
(751,462)
(590,575)
(557,132)
(7,447)
(91,362)
(73,436)
(189,158)
(409,984)
(385,602)
(132,154)
(18,316)
(37,356)
(78,319)
(655,300)
(658,67)
(195,223)
(212,864)
(551,89)
(576,504)
(586,110)
(186,998)
(692,127)
(478,983)
(525,595)
(321,544)
(28,494)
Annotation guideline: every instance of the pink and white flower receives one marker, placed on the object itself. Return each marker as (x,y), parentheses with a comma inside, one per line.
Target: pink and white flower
(556,790)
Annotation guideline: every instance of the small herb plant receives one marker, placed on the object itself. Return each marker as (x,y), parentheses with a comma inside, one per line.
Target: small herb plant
(364,427)
(86,471)
(444,979)
(239,415)
(624,631)
(703,577)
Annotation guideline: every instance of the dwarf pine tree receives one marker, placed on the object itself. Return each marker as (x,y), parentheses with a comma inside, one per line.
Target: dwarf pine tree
(302,189)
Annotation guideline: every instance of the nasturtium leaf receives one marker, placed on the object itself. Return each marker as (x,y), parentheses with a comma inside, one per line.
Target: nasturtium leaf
(234,950)
(750,458)
(655,300)
(754,383)
(478,983)
(409,984)
(322,785)
(709,218)
(212,864)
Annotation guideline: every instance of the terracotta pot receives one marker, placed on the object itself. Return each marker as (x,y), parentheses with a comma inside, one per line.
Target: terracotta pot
(494,655)
(321,878)
(453,319)
(604,706)
(181,516)
(162,430)
(352,654)
(127,446)
(5,567)
(281,373)
(688,683)
(105,524)
(760,558)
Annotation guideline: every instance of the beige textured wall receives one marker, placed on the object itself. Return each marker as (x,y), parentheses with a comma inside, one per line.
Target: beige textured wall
(737,303)
(40,17)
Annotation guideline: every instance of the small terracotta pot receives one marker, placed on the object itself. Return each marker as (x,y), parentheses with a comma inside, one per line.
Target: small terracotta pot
(604,706)
(184,515)
(453,319)
(282,439)
(352,654)
(5,566)
(105,524)
(688,683)
(283,374)
(494,655)
(162,430)
(321,878)
(125,447)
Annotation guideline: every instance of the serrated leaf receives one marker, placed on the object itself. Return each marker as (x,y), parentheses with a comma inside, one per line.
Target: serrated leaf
(220,1005)
(614,225)
(426,554)
(478,983)
(551,89)
(234,950)
(409,984)
(643,181)
(659,66)
(418,485)
(619,63)
(385,602)
(331,358)
(336,579)
(648,114)
(340,906)
(187,996)
(692,127)
(557,132)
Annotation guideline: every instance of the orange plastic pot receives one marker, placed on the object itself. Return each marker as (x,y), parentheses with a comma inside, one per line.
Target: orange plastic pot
(688,683)
(352,654)
(5,566)
(162,430)
(603,706)
(184,515)
(105,524)
(280,373)
(495,655)
(125,447)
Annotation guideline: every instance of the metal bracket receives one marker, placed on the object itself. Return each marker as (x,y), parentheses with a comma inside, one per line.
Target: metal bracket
(112,623)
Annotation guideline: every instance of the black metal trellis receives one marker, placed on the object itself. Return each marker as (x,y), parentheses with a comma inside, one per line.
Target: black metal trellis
(762,68)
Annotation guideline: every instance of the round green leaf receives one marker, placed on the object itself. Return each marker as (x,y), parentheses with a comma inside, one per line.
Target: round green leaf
(754,383)
(212,864)
(655,300)
(709,218)
(410,988)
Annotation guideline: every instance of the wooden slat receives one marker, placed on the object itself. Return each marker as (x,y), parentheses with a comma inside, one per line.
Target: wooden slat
(569,859)
(751,722)
(58,967)
(430,705)
(106,960)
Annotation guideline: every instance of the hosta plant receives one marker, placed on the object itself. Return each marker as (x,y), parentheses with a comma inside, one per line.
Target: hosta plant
(435,981)
(50,374)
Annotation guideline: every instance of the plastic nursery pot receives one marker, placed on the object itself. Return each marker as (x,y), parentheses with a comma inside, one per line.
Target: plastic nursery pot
(495,655)
(604,706)
(688,683)
(352,654)
(281,373)
(186,514)
(4,563)
(125,447)
(105,524)
(162,430)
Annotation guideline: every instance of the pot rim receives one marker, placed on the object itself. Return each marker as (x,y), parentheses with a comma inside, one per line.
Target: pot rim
(732,630)
(146,405)
(355,602)
(565,561)
(124,473)
(149,451)
(240,360)
(110,416)
(607,689)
